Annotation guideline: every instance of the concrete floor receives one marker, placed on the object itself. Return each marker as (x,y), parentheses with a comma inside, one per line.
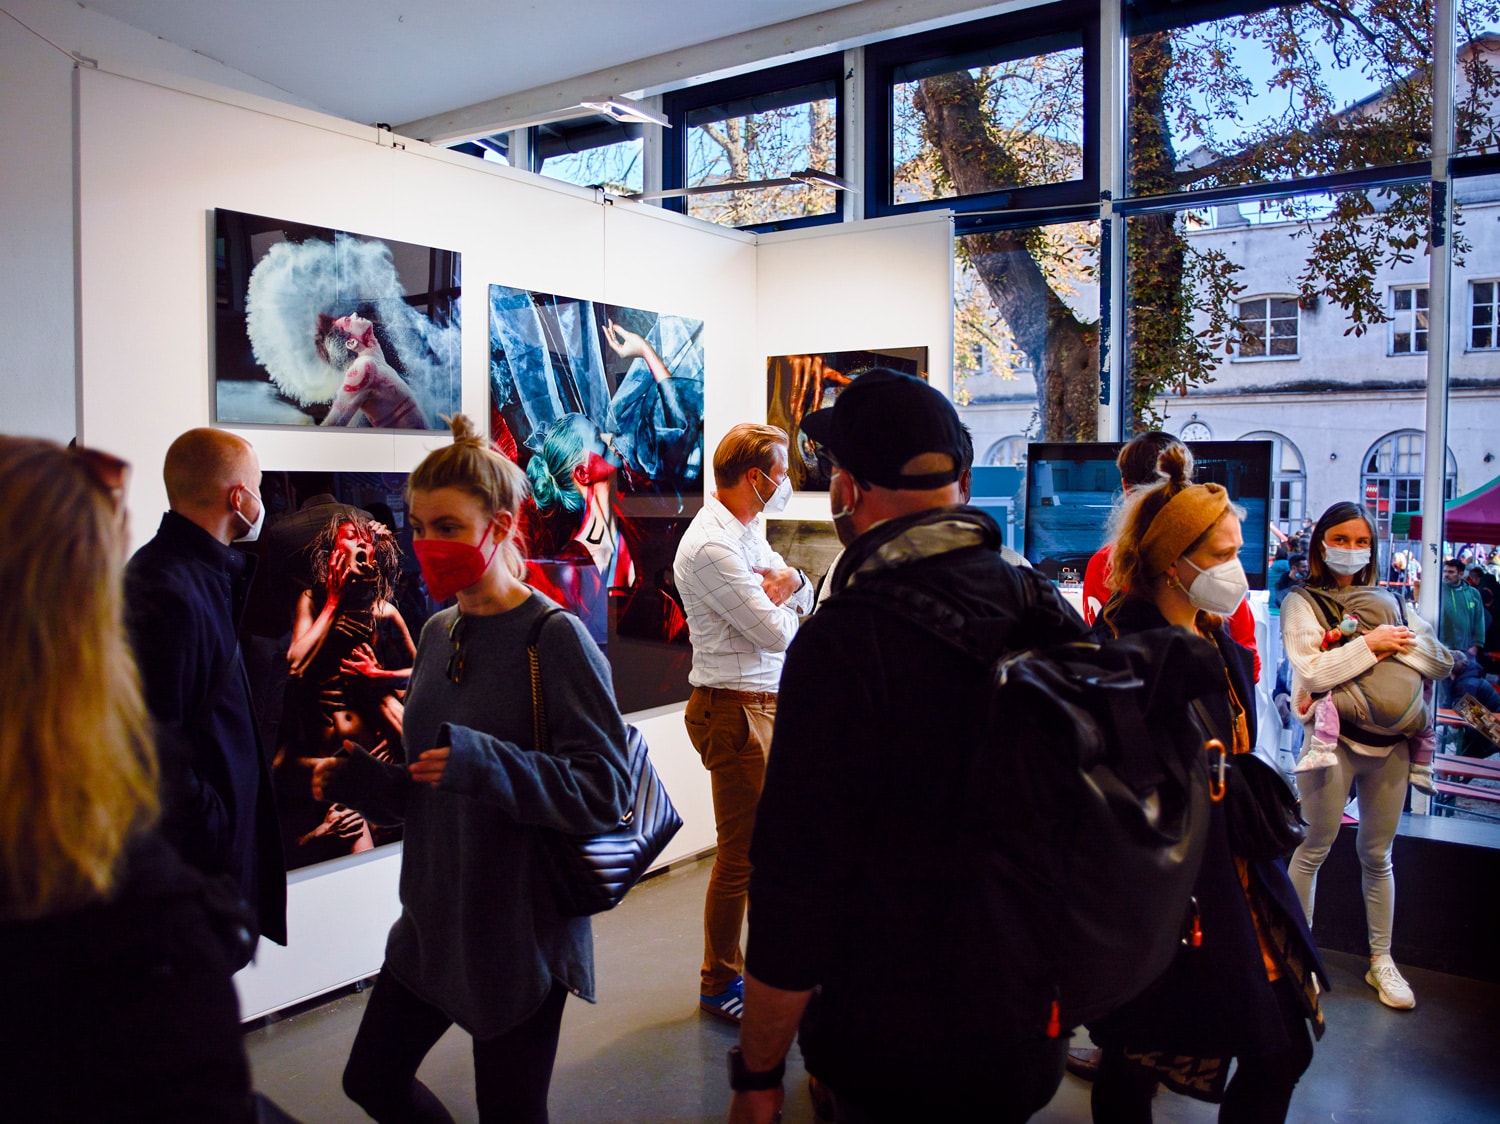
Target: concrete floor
(644,1053)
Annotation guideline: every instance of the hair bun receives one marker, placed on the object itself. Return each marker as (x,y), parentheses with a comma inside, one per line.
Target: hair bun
(463,430)
(1176,465)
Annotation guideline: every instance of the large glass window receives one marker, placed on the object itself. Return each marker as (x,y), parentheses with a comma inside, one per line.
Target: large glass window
(1187,282)
(763,126)
(1343,252)
(995,115)
(1026,100)
(1477,78)
(1286,93)
(1026,325)
(604,155)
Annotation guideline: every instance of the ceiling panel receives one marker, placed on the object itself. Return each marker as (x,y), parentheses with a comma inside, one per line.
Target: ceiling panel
(399,60)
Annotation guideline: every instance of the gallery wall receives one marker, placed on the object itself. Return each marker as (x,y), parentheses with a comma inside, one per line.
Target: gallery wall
(37,370)
(886,283)
(154,163)
(155,159)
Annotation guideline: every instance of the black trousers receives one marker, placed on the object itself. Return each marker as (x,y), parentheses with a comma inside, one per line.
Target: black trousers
(512,1071)
(1259,1092)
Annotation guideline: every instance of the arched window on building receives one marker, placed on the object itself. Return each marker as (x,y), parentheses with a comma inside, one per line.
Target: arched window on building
(1007,452)
(1390,482)
(1288,480)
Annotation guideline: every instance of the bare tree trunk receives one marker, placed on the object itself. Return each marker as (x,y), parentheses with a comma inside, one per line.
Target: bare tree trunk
(1064,351)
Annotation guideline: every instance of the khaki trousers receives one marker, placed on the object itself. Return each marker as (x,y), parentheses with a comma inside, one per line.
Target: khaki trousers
(731,730)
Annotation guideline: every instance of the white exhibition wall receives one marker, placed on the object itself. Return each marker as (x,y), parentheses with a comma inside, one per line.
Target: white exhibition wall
(886,283)
(155,159)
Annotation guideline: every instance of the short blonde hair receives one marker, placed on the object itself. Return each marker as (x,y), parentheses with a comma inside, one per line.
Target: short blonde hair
(201,464)
(744,447)
(492,478)
(78,770)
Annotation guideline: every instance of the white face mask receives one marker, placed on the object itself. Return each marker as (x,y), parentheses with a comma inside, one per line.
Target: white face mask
(1218,589)
(254,532)
(1344,561)
(779,495)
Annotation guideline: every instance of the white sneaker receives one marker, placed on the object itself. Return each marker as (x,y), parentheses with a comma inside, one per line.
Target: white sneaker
(1386,979)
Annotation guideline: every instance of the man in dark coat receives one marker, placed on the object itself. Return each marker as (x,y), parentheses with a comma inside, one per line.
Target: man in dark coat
(184,593)
(856,876)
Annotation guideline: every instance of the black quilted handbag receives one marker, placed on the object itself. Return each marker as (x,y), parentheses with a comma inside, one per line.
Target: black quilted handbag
(593,873)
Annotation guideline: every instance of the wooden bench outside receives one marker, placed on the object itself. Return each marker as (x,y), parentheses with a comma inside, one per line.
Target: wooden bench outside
(1461,770)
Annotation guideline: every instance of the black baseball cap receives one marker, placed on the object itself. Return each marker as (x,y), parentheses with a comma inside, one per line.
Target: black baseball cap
(883,419)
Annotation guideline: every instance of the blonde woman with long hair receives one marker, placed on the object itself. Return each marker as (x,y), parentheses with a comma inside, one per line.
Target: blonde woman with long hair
(480,941)
(115,980)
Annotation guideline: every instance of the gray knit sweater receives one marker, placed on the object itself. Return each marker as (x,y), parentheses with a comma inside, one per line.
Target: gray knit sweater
(479,936)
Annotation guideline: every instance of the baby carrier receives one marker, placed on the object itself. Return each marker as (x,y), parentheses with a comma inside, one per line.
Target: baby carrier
(1386,704)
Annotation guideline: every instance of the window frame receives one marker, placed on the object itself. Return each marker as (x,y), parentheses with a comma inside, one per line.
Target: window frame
(679,104)
(1287,486)
(1013,29)
(1394,324)
(1400,482)
(1494,324)
(1239,303)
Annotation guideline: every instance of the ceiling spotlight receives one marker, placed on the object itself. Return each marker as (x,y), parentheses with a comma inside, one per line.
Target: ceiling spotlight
(624,109)
(824,179)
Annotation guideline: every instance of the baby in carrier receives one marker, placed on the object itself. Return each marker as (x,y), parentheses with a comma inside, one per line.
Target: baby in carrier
(1389,699)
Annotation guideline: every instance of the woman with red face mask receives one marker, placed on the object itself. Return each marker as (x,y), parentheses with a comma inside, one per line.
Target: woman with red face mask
(480,941)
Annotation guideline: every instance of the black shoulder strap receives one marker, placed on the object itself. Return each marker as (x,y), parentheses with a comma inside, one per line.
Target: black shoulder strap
(539,738)
(536,626)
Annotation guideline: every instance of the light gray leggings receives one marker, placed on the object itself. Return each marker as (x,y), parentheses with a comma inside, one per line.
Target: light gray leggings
(1380,786)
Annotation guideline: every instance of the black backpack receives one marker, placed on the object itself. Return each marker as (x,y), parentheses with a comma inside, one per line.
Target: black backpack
(1085,820)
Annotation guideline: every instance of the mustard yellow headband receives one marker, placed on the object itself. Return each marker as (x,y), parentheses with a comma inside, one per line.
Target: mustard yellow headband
(1186,516)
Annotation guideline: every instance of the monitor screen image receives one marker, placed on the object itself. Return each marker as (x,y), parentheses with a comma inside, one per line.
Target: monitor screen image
(1071,491)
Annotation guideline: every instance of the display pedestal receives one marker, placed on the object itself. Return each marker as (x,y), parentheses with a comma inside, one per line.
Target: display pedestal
(1447,912)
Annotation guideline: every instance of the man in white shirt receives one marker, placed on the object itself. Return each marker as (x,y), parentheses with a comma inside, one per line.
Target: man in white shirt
(743,603)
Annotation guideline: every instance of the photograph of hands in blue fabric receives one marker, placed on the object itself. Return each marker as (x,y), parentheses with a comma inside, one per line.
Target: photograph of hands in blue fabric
(602,405)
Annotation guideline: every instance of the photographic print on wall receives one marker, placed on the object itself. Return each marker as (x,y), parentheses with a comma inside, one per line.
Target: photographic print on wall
(602,405)
(796,385)
(809,545)
(322,327)
(329,636)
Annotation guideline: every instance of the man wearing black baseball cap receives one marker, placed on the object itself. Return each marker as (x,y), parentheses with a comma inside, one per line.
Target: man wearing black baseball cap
(855,887)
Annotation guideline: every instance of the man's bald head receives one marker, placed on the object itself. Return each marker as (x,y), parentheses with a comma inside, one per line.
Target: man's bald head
(207,473)
(203,463)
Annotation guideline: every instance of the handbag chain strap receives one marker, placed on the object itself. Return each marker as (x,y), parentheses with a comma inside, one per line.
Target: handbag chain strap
(538,707)
(539,738)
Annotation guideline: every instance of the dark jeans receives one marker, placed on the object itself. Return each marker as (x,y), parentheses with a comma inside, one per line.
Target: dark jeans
(1259,1092)
(511,1071)
(1023,1080)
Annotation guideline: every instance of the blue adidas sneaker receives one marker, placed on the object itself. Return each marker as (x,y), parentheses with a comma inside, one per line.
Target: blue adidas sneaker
(728,1004)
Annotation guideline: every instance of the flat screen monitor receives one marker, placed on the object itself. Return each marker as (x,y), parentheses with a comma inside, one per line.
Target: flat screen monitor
(1071,489)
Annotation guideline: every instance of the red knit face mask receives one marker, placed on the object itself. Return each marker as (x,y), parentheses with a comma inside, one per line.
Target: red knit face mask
(448,567)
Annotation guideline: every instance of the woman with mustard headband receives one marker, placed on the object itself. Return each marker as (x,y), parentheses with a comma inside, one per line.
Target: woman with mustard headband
(1242,987)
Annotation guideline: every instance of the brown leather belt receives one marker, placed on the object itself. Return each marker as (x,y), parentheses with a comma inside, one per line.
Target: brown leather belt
(724,694)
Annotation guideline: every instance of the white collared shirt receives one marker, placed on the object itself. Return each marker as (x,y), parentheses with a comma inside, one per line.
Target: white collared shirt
(738,635)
